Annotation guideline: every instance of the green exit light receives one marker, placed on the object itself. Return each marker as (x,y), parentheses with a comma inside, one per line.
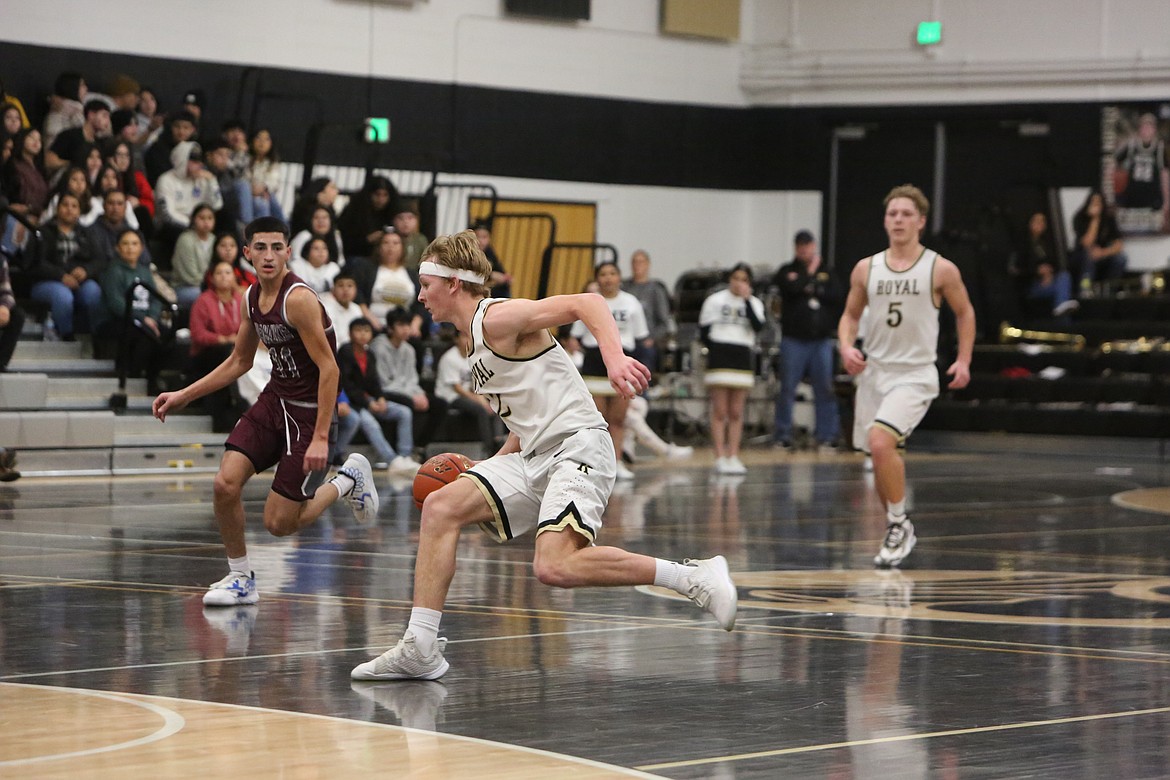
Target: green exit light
(929,33)
(377,130)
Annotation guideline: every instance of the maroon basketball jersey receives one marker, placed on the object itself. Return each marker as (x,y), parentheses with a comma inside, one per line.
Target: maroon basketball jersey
(294,374)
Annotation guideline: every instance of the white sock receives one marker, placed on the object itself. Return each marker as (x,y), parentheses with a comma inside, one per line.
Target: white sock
(896,511)
(240,565)
(668,574)
(424,624)
(343,484)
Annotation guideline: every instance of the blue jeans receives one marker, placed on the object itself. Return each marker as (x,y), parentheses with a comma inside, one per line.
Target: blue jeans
(1058,291)
(812,358)
(253,206)
(368,422)
(62,301)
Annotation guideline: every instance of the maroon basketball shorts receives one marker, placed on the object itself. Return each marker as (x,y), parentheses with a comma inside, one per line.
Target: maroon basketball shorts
(277,432)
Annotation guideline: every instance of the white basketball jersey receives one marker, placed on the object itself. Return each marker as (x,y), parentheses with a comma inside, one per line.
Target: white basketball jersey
(542,399)
(903,317)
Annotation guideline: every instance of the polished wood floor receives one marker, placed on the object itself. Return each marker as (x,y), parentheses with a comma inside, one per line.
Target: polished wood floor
(1029,636)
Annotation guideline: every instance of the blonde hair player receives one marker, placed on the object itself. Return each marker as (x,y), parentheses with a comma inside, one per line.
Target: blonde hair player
(903,287)
(556,470)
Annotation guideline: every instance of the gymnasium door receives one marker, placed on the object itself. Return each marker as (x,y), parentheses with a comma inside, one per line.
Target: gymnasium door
(867,163)
(520,243)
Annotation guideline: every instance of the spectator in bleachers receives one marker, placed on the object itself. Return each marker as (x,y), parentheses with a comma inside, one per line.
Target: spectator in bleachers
(104,232)
(501,281)
(124,91)
(72,144)
(217,159)
(107,180)
(810,302)
(214,323)
(140,338)
(398,367)
(181,189)
(193,102)
(367,216)
(74,182)
(65,106)
(314,266)
(414,243)
(11,119)
(655,300)
(150,122)
(235,135)
(341,305)
(1099,252)
(132,181)
(264,178)
(11,322)
(227,248)
(453,385)
(93,164)
(158,159)
(123,127)
(192,258)
(393,287)
(25,183)
(320,193)
(59,274)
(362,383)
(322,225)
(1046,283)
(15,101)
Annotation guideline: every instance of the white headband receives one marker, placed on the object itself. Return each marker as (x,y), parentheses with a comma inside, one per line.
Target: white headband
(434,269)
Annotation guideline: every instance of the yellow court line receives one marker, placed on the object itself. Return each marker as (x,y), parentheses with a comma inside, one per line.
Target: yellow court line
(900,738)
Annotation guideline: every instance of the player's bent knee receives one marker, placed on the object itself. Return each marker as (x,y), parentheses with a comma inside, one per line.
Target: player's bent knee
(552,572)
(227,486)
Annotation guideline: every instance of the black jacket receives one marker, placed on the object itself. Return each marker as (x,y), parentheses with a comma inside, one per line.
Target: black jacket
(810,306)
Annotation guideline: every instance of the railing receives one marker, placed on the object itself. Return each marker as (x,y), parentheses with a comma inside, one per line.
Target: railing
(567,268)
(167,319)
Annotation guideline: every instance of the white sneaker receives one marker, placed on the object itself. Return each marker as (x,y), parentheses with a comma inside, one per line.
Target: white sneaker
(363,496)
(233,590)
(404,465)
(867,464)
(899,541)
(730,465)
(623,472)
(709,585)
(675,452)
(405,662)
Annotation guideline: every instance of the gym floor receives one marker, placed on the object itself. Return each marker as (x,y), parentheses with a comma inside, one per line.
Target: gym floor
(1027,636)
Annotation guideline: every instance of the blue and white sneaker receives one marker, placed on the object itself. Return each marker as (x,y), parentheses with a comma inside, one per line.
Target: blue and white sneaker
(233,590)
(363,497)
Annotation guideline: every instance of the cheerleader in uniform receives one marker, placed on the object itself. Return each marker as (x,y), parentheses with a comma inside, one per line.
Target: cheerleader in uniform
(631,322)
(728,324)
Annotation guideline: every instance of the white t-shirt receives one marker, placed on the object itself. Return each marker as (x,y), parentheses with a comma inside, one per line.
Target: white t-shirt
(320,279)
(630,318)
(727,316)
(340,316)
(453,370)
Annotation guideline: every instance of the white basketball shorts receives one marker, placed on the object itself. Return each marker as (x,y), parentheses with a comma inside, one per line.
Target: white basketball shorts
(894,399)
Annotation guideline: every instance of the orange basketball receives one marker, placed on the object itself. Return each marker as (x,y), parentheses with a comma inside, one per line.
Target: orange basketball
(440,470)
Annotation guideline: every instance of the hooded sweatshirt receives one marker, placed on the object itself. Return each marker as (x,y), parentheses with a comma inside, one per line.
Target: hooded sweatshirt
(177,194)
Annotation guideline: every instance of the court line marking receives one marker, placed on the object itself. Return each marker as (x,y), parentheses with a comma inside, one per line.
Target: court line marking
(173,723)
(628,771)
(902,738)
(640,621)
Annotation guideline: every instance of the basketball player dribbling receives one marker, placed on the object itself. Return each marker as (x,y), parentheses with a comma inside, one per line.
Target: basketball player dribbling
(903,287)
(290,424)
(556,471)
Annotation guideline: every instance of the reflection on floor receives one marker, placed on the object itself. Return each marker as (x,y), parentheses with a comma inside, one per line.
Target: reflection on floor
(1028,635)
